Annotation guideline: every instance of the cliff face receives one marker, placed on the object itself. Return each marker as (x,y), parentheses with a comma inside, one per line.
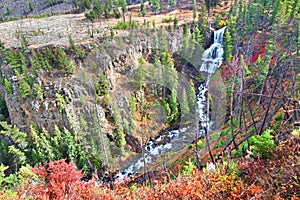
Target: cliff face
(19,8)
(69,101)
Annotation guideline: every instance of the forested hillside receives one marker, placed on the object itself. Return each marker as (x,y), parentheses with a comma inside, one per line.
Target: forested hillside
(156,100)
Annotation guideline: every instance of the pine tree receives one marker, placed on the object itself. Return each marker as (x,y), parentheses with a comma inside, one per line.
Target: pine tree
(184,51)
(186,30)
(98,8)
(143,9)
(116,11)
(198,37)
(24,87)
(174,106)
(184,106)
(163,40)
(169,73)
(191,96)
(139,80)
(207,4)
(173,3)
(124,8)
(155,5)
(228,46)
(194,6)
(119,130)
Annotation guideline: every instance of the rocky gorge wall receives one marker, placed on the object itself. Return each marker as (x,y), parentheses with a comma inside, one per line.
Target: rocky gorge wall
(19,8)
(81,113)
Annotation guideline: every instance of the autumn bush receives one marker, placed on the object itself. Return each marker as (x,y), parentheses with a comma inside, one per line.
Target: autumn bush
(61,180)
(58,180)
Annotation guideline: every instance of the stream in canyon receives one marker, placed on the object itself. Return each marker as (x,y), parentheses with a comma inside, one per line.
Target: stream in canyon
(175,140)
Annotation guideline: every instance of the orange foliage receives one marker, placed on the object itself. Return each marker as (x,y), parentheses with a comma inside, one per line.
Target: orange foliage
(59,180)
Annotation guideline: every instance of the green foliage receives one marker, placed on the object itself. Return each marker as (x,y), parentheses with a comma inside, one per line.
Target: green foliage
(31,6)
(173,3)
(194,6)
(143,9)
(139,79)
(116,11)
(228,46)
(232,168)
(119,130)
(106,13)
(112,33)
(155,5)
(175,23)
(167,19)
(41,151)
(187,169)
(261,145)
(191,96)
(64,62)
(24,87)
(77,49)
(101,84)
(8,86)
(38,91)
(61,101)
(126,25)
(90,15)
(132,107)
(39,146)
(174,107)
(184,106)
(13,180)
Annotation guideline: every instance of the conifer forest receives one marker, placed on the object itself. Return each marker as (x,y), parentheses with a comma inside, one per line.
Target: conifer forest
(149,99)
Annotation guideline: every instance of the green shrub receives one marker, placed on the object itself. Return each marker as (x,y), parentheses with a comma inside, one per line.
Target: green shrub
(126,25)
(167,19)
(260,145)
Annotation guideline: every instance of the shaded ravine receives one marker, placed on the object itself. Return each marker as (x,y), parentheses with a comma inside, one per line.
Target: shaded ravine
(177,139)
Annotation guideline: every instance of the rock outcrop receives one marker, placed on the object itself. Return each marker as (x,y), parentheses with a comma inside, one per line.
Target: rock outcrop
(81,113)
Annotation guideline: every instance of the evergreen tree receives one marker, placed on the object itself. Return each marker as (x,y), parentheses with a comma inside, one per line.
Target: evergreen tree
(184,106)
(124,8)
(207,4)
(116,11)
(139,80)
(198,37)
(155,5)
(91,16)
(186,30)
(174,106)
(163,40)
(143,9)
(191,96)
(169,73)
(194,6)
(173,3)
(228,46)
(119,130)
(24,87)
(98,9)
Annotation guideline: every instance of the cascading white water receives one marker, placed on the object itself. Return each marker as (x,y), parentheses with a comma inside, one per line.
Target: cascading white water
(213,56)
(212,59)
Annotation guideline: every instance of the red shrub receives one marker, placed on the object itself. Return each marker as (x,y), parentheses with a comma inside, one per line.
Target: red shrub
(59,180)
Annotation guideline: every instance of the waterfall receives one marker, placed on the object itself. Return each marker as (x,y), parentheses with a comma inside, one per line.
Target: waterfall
(212,59)
(213,56)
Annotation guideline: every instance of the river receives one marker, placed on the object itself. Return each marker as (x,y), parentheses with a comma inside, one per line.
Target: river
(177,139)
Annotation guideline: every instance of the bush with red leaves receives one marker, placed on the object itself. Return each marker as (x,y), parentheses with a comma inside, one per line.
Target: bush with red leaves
(59,180)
